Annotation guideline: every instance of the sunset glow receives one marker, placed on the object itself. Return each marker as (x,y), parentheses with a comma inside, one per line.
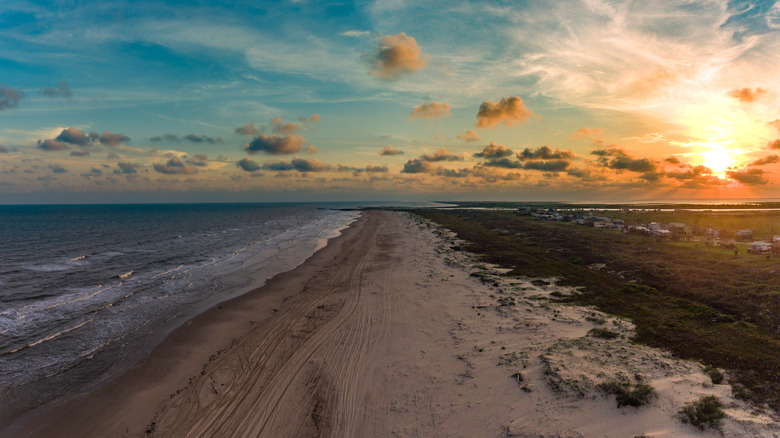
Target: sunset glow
(389,100)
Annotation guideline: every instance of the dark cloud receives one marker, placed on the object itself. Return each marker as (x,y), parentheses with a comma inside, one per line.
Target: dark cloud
(376,169)
(774,144)
(770,159)
(174,166)
(544,153)
(92,173)
(697,177)
(46,178)
(312,165)
(672,160)
(83,152)
(418,166)
(396,55)
(62,90)
(504,163)
(9,97)
(73,136)
(247,165)
(748,177)
(494,151)
(368,169)
(52,145)
(125,168)
(509,110)
(389,150)
(280,166)
(248,129)
(56,168)
(469,136)
(547,166)
(453,173)
(172,138)
(433,110)
(275,145)
(109,139)
(441,155)
(198,160)
(5,150)
(202,139)
(747,95)
(617,159)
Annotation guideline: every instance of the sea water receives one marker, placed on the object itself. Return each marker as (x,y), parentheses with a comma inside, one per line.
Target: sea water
(87,290)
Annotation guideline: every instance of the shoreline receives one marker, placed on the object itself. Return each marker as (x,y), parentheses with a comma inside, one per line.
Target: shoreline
(211,315)
(388,331)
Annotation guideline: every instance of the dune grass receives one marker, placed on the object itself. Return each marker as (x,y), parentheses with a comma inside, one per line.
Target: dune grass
(696,303)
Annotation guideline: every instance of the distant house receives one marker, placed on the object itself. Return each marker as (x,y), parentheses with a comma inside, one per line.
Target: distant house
(760,247)
(680,228)
(775,238)
(654,226)
(743,234)
(662,233)
(712,232)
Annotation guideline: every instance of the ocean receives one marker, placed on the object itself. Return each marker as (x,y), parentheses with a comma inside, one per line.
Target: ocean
(87,290)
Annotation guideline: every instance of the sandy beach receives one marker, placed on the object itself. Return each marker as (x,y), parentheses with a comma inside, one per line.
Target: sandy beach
(388,331)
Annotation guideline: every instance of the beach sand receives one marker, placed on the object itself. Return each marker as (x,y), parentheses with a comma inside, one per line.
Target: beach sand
(387,331)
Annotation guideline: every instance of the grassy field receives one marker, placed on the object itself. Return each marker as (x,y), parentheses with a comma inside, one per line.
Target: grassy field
(698,302)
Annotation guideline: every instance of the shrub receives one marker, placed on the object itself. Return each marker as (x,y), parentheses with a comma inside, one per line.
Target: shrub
(602,333)
(715,375)
(702,413)
(628,394)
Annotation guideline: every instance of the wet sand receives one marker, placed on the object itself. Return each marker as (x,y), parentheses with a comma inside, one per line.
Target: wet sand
(384,332)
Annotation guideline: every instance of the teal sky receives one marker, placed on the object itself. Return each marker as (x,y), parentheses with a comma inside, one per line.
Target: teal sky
(560,100)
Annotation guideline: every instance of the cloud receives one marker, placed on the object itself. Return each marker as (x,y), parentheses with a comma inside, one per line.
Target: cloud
(56,168)
(92,173)
(493,151)
(275,145)
(441,154)
(248,165)
(697,177)
(174,166)
(109,139)
(748,177)
(770,159)
(509,110)
(311,150)
(774,144)
(62,90)
(202,139)
(544,153)
(9,97)
(249,129)
(376,169)
(747,95)
(617,159)
(315,118)
(173,138)
(125,168)
(433,110)
(672,160)
(397,54)
(83,152)
(280,127)
(52,145)
(5,150)
(280,166)
(587,133)
(390,151)
(548,166)
(198,160)
(368,169)
(775,123)
(417,165)
(311,165)
(74,136)
(356,33)
(469,136)
(504,163)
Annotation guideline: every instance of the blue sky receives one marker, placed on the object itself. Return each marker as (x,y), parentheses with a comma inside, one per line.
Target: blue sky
(645,100)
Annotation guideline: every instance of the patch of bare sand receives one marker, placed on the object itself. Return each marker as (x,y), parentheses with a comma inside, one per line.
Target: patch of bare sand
(388,332)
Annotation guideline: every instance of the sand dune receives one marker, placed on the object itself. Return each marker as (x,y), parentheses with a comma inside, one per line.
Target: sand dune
(386,332)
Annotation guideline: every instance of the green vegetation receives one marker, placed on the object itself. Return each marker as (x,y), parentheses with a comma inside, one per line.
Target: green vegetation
(715,375)
(627,393)
(705,412)
(698,303)
(602,333)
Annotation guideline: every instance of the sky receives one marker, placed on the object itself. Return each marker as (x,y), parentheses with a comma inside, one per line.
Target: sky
(576,100)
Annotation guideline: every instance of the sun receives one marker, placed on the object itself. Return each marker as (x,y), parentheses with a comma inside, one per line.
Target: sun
(718,159)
